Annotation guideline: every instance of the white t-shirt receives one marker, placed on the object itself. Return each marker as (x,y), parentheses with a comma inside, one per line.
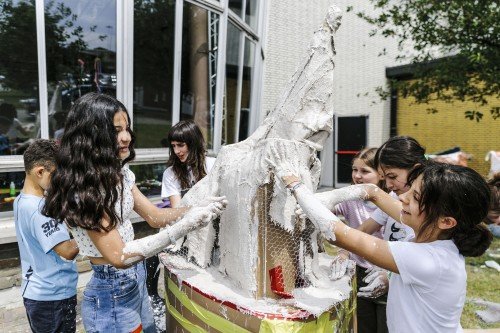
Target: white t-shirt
(428,294)
(170,185)
(394,230)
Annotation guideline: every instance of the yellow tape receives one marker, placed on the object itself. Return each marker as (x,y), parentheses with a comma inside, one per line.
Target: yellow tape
(209,318)
(183,321)
(322,324)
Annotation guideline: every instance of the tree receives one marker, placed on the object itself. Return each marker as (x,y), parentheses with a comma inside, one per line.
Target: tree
(455,48)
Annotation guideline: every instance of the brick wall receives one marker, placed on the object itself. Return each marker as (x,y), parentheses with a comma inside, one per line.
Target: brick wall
(449,127)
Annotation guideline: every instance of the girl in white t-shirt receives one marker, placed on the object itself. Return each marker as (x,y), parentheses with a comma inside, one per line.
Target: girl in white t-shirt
(444,206)
(187,162)
(394,160)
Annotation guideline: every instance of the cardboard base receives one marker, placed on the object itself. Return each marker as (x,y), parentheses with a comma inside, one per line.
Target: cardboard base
(190,310)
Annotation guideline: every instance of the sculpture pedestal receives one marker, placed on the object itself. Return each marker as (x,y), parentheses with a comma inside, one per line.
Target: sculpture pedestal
(191,310)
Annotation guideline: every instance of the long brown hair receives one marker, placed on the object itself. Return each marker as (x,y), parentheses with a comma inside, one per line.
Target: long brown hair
(188,132)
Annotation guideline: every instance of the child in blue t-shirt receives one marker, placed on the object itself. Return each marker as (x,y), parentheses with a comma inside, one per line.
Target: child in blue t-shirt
(49,274)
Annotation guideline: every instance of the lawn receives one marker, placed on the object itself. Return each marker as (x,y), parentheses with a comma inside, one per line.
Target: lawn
(484,283)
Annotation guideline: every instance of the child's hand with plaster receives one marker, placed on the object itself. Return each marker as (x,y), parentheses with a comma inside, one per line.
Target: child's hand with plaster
(377,283)
(286,171)
(341,265)
(371,248)
(195,218)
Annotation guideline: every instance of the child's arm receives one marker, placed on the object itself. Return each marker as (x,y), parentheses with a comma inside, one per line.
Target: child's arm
(383,200)
(122,255)
(154,216)
(369,226)
(175,200)
(369,247)
(67,249)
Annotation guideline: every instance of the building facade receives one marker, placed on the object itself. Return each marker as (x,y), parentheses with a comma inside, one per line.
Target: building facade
(222,63)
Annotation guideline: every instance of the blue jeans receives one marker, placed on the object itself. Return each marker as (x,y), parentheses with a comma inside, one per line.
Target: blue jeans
(117,300)
(51,316)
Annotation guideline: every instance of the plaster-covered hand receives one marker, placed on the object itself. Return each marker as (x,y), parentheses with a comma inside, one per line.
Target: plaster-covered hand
(196,217)
(208,200)
(317,213)
(377,283)
(354,192)
(340,265)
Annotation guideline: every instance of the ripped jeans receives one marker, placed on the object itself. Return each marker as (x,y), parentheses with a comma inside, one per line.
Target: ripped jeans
(116,300)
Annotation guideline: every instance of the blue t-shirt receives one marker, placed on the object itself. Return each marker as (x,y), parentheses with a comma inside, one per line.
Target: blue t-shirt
(46,276)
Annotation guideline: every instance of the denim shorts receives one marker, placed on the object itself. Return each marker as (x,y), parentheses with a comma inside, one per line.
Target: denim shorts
(51,316)
(116,300)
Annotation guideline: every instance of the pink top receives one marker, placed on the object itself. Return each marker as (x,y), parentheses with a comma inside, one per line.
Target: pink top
(355,213)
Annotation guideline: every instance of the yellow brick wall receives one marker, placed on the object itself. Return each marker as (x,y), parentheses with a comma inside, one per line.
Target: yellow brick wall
(449,127)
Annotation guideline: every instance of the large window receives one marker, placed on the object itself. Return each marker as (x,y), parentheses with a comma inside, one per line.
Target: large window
(231,86)
(19,107)
(200,32)
(80,49)
(154,35)
(246,90)
(166,60)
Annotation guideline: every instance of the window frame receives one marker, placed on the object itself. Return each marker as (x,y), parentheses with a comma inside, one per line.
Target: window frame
(125,82)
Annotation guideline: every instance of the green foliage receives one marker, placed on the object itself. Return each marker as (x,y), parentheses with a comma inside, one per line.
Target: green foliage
(453,44)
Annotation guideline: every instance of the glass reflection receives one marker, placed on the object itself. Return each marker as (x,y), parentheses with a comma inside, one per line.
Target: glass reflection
(148,177)
(251,13)
(246,89)
(236,6)
(230,103)
(19,107)
(199,68)
(80,47)
(154,35)
(11,184)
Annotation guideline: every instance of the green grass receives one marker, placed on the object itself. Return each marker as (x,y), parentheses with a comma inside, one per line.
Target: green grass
(482,283)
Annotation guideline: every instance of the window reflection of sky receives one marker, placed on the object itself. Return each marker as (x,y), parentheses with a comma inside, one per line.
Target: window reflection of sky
(98,20)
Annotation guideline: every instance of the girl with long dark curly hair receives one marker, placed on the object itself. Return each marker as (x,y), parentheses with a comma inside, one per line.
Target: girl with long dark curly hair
(94,193)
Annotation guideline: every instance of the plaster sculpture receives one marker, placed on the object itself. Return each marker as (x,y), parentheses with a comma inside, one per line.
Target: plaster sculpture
(297,128)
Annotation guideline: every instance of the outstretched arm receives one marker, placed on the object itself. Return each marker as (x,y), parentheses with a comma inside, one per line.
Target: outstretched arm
(122,255)
(369,247)
(154,216)
(384,201)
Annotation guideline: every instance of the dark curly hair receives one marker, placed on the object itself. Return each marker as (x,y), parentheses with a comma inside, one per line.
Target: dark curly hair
(188,132)
(41,152)
(458,192)
(85,185)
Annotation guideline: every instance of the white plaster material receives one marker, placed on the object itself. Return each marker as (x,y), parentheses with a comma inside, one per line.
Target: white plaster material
(195,218)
